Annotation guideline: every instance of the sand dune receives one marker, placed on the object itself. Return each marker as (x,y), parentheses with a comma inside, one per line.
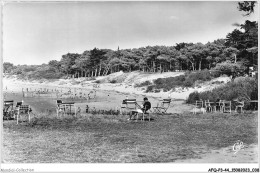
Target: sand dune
(125,84)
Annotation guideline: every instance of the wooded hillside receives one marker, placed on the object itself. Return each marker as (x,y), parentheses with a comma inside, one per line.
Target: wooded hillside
(237,51)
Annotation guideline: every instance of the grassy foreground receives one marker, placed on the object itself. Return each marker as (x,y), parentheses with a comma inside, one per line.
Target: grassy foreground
(110,139)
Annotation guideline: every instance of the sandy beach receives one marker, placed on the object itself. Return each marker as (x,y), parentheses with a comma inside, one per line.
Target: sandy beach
(110,96)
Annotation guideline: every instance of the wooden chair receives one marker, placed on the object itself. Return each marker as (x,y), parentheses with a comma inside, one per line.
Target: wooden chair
(146,113)
(8,109)
(217,106)
(240,105)
(198,105)
(23,109)
(162,106)
(129,105)
(122,107)
(65,108)
(68,108)
(208,106)
(221,105)
(59,108)
(16,108)
(226,106)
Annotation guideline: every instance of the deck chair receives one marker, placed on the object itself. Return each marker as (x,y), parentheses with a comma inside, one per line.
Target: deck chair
(16,108)
(8,109)
(65,108)
(128,105)
(208,107)
(68,108)
(220,105)
(162,106)
(240,105)
(23,109)
(122,107)
(61,110)
(226,106)
(59,107)
(146,113)
(198,106)
(217,105)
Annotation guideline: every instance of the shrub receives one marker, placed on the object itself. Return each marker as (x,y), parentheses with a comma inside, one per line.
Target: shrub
(193,97)
(187,80)
(91,78)
(97,81)
(188,83)
(149,88)
(243,89)
(146,83)
(159,81)
(215,73)
(217,82)
(165,90)
(204,75)
(113,81)
(234,69)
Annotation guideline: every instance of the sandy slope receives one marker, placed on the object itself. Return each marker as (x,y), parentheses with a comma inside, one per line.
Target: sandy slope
(126,85)
(110,96)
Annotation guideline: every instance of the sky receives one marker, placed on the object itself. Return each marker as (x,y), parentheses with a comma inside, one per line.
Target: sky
(37,32)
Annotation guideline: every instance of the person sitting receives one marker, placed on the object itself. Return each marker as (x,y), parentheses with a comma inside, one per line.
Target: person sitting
(146,105)
(144,109)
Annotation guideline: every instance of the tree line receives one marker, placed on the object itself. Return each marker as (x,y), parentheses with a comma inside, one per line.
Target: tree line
(239,47)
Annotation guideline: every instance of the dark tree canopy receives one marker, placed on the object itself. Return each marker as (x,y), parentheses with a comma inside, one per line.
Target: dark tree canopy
(246,6)
(239,46)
